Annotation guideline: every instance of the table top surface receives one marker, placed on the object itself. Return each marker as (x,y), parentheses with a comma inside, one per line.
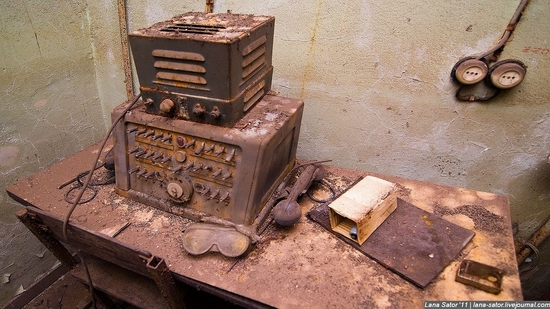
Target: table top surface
(304,265)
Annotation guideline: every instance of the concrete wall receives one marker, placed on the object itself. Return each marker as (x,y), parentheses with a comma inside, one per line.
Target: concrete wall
(374,76)
(50,108)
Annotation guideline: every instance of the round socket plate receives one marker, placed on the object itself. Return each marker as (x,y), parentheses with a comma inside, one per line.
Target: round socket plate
(507,74)
(470,71)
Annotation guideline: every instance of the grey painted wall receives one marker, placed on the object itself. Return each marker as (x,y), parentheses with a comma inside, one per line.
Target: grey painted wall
(374,76)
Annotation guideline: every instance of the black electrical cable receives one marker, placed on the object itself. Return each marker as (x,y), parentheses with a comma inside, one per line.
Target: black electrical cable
(322,201)
(98,183)
(90,187)
(91,172)
(89,278)
(85,185)
(82,200)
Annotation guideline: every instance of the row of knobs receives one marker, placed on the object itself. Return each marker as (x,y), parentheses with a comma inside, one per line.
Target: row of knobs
(203,147)
(143,172)
(212,193)
(154,136)
(180,157)
(195,167)
(176,191)
(182,142)
(168,106)
(139,152)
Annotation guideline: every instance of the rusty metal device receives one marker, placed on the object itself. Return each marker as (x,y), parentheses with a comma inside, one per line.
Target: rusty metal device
(206,140)
(481,276)
(287,211)
(182,166)
(204,67)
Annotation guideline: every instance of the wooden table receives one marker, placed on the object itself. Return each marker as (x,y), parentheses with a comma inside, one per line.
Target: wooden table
(304,266)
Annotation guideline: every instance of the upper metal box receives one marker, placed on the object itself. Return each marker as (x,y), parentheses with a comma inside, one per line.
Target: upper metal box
(204,67)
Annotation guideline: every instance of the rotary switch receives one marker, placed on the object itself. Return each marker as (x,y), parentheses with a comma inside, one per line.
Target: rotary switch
(180,191)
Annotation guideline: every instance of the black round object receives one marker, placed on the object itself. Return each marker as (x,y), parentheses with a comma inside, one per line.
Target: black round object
(287,213)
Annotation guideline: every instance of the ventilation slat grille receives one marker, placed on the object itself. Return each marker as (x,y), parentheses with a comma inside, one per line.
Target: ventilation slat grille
(180,69)
(179,66)
(253,58)
(254,95)
(193,28)
(186,78)
(178,55)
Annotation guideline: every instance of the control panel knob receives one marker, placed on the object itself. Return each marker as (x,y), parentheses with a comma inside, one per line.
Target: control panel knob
(218,151)
(157,136)
(180,141)
(208,148)
(166,138)
(174,190)
(180,156)
(150,133)
(141,131)
(180,191)
(189,143)
(198,110)
(217,173)
(167,106)
(225,197)
(230,155)
(158,156)
(199,148)
(214,194)
(215,113)
(166,159)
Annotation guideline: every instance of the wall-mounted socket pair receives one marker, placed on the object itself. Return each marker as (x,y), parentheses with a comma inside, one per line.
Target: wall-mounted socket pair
(504,74)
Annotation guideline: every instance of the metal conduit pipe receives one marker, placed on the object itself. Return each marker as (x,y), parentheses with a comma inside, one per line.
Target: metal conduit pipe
(511,26)
(536,239)
(123,22)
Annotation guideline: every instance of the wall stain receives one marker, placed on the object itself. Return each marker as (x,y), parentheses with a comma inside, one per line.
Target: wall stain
(311,43)
(34,30)
(8,155)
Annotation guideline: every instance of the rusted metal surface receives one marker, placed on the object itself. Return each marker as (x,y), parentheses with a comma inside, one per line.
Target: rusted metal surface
(538,237)
(35,224)
(97,244)
(212,67)
(481,276)
(159,271)
(288,211)
(122,284)
(300,266)
(127,63)
(412,242)
(178,165)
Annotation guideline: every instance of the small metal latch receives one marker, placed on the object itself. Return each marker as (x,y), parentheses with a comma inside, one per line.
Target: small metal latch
(481,276)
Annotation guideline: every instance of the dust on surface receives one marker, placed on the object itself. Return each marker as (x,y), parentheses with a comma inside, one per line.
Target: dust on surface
(326,269)
(402,191)
(268,115)
(219,26)
(483,219)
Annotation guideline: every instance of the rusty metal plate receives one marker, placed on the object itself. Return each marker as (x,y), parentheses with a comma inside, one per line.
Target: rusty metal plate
(413,243)
(481,276)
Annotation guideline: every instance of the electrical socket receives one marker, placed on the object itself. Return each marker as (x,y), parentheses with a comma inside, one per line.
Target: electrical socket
(470,71)
(507,74)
